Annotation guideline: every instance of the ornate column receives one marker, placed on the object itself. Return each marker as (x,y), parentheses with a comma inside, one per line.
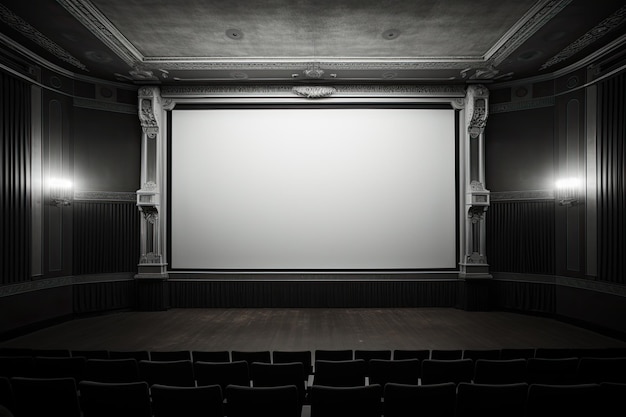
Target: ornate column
(152,268)
(474,265)
(477,196)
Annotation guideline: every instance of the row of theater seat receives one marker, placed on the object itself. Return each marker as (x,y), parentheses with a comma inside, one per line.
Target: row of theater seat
(321,354)
(354,372)
(34,397)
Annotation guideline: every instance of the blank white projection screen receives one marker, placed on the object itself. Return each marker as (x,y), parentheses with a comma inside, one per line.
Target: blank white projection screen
(313,189)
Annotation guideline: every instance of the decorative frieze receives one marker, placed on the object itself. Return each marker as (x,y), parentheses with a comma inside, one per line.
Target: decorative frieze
(273,90)
(104,106)
(24,28)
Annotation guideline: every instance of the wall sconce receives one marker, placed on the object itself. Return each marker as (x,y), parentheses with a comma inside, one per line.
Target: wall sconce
(60,192)
(568,191)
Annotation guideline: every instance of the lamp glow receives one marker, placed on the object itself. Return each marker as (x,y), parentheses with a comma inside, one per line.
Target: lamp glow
(60,191)
(568,191)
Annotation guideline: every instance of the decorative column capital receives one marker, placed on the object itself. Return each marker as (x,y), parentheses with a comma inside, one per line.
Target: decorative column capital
(149,106)
(477,99)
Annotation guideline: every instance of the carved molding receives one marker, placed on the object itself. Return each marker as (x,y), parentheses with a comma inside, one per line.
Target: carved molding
(314,91)
(104,196)
(18,24)
(149,99)
(604,27)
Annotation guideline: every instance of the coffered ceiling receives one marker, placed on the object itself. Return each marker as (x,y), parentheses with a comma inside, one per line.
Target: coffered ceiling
(211,41)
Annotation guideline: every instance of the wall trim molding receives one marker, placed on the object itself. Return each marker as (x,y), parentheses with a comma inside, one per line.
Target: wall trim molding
(580,283)
(105,196)
(522,195)
(45,284)
(86,103)
(522,105)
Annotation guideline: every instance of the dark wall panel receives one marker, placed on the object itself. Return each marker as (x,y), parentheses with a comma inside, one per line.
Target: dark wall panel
(107,151)
(611,139)
(106,237)
(520,236)
(15,152)
(305,294)
(103,296)
(595,309)
(33,307)
(519,150)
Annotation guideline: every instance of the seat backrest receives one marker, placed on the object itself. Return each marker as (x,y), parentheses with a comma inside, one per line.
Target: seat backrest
(501,371)
(401,371)
(102,399)
(51,353)
(91,354)
(612,399)
(446,354)
(210,356)
(333,355)
(6,393)
(346,401)
(222,373)
(302,356)
(349,373)
(279,374)
(138,355)
(476,354)
(435,400)
(281,401)
(517,353)
(171,355)
(436,371)
(11,366)
(491,400)
(35,397)
(554,353)
(112,370)
(547,400)
(251,356)
(203,401)
(367,355)
(60,367)
(597,370)
(174,373)
(551,370)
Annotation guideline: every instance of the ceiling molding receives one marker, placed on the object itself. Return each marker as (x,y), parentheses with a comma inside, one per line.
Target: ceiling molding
(23,27)
(103,29)
(601,29)
(287,90)
(86,13)
(534,20)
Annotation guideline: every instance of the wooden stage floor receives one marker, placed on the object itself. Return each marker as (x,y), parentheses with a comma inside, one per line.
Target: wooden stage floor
(310,329)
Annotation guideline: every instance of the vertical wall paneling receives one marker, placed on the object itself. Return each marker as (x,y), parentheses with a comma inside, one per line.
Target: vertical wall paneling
(15,150)
(37,192)
(611,160)
(55,170)
(572,170)
(591,203)
(106,237)
(521,236)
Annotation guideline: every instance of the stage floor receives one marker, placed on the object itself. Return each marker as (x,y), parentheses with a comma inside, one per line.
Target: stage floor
(311,329)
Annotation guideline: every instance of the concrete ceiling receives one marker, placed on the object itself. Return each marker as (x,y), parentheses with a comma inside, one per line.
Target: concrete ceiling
(210,41)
